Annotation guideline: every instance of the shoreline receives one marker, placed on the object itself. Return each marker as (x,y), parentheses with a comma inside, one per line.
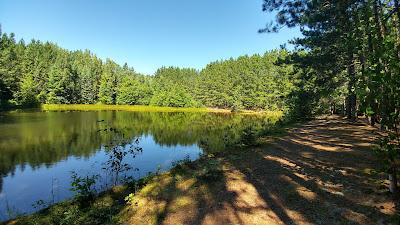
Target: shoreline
(145,108)
(118,195)
(226,184)
(67,202)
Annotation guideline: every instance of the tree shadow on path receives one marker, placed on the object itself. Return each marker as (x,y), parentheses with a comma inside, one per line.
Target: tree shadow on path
(317,174)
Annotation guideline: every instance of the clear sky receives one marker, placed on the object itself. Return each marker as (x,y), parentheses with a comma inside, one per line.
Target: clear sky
(147,34)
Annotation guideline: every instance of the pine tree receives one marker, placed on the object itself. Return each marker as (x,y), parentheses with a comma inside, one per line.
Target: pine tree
(8,68)
(108,83)
(62,88)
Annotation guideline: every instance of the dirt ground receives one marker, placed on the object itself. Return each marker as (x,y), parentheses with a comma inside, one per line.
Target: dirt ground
(321,172)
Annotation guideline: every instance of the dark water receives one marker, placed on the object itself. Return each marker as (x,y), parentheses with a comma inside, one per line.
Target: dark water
(38,150)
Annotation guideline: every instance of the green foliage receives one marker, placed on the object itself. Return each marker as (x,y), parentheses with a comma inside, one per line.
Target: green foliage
(108,83)
(176,98)
(89,70)
(26,94)
(129,199)
(249,136)
(102,210)
(9,68)
(39,73)
(134,91)
(301,104)
(254,82)
(388,151)
(38,58)
(352,51)
(117,151)
(351,55)
(62,83)
(84,188)
(172,87)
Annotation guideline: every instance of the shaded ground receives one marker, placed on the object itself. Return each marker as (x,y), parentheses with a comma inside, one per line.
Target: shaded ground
(322,172)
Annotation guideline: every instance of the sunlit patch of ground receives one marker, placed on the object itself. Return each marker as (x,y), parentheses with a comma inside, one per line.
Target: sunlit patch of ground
(322,172)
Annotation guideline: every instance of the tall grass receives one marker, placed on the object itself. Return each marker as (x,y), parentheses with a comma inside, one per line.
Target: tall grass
(134,108)
(143,108)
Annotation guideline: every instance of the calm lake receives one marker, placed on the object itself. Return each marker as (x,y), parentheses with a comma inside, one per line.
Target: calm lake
(40,150)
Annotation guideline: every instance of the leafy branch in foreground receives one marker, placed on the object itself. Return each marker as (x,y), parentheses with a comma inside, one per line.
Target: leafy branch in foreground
(84,188)
(118,149)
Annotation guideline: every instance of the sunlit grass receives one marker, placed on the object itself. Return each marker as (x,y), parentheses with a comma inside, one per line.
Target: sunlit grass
(134,108)
(143,108)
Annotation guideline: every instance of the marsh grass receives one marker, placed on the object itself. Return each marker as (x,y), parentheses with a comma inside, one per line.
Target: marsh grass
(144,108)
(133,108)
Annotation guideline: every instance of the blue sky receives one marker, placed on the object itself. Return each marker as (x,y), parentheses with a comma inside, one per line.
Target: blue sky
(147,34)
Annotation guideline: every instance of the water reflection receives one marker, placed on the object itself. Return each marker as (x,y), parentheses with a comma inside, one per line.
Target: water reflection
(39,148)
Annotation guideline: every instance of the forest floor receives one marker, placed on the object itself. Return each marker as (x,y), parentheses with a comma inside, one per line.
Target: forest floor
(319,172)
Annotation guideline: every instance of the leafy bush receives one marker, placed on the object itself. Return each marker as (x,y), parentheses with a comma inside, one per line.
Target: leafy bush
(389,154)
(388,151)
(84,188)
(133,92)
(249,136)
(129,199)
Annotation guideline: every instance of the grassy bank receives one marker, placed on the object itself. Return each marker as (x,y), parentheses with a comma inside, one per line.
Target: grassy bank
(142,108)
(114,206)
(133,108)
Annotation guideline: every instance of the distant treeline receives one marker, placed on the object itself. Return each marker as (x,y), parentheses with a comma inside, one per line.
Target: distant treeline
(41,72)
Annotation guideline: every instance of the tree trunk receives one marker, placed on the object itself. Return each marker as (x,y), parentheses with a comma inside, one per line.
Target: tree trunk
(393,183)
(382,64)
(397,9)
(352,99)
(372,120)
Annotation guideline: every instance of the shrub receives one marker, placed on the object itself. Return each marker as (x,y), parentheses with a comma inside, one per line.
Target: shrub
(249,136)
(84,188)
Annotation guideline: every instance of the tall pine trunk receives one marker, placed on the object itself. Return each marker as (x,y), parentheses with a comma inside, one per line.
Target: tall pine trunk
(393,187)
(351,99)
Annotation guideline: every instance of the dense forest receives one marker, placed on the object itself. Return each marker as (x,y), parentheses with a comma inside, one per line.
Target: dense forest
(349,54)
(348,48)
(37,73)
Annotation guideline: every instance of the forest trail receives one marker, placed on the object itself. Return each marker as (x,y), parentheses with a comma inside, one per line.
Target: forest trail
(321,172)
